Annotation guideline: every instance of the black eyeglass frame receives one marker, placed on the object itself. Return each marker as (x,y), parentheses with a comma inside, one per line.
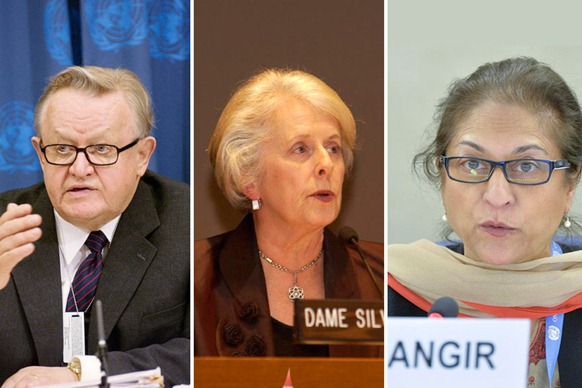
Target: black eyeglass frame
(84,150)
(558,164)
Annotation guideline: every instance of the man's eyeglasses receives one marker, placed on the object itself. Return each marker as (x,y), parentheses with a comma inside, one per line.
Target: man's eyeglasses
(527,172)
(96,154)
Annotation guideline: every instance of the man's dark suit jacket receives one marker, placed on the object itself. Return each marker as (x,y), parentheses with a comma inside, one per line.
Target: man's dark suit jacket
(231,309)
(144,288)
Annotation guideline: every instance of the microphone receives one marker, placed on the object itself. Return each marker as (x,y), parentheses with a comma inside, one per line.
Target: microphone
(102,346)
(350,236)
(445,307)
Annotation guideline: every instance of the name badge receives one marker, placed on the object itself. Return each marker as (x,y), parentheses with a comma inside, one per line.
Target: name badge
(73,335)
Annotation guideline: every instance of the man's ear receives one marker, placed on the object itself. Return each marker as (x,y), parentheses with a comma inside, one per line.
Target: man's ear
(146,147)
(36,144)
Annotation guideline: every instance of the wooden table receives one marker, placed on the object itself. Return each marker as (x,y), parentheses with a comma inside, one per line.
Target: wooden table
(225,372)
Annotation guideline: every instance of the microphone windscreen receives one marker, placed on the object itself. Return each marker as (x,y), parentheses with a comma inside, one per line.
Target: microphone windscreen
(349,235)
(445,306)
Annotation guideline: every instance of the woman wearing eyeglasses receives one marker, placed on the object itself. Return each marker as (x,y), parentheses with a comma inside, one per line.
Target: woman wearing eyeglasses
(506,158)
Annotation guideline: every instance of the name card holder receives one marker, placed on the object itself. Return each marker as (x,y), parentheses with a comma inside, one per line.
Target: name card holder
(339,321)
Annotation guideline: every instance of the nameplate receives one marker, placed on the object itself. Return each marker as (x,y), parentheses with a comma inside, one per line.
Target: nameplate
(461,352)
(339,321)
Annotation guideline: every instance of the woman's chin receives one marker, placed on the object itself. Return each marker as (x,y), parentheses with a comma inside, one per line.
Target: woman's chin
(496,257)
(498,261)
(320,219)
(326,221)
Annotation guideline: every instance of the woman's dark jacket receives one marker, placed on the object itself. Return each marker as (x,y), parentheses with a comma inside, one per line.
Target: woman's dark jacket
(231,309)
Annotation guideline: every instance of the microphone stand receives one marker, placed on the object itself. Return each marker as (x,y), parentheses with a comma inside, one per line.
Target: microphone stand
(102,346)
(349,235)
(354,242)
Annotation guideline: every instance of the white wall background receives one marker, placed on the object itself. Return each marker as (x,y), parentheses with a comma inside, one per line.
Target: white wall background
(418,76)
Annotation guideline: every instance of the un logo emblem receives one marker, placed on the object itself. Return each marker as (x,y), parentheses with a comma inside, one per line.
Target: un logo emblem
(57,31)
(16,129)
(169,25)
(116,23)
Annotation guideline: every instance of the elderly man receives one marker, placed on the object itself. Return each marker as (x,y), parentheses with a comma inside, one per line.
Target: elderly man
(100,227)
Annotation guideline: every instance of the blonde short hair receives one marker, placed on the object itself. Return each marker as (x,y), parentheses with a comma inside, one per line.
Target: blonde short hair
(244,126)
(98,81)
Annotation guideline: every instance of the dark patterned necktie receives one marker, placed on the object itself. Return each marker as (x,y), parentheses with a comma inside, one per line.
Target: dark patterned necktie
(87,276)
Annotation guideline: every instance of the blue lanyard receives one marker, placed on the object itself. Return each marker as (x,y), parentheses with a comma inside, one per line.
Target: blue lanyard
(554,325)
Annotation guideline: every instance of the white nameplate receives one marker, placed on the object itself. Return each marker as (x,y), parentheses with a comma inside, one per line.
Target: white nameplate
(457,352)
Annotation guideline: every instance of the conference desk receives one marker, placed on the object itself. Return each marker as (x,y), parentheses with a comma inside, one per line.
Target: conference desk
(224,372)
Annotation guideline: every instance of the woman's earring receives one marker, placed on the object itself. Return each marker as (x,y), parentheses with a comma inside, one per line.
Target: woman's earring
(567,222)
(444,217)
(256,204)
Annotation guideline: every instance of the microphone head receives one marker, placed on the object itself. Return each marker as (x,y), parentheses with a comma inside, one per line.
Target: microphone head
(100,328)
(349,235)
(446,307)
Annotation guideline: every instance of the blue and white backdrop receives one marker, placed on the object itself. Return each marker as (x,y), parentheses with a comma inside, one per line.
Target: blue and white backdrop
(39,38)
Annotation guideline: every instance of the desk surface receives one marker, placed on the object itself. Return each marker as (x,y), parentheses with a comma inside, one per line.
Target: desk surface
(225,372)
